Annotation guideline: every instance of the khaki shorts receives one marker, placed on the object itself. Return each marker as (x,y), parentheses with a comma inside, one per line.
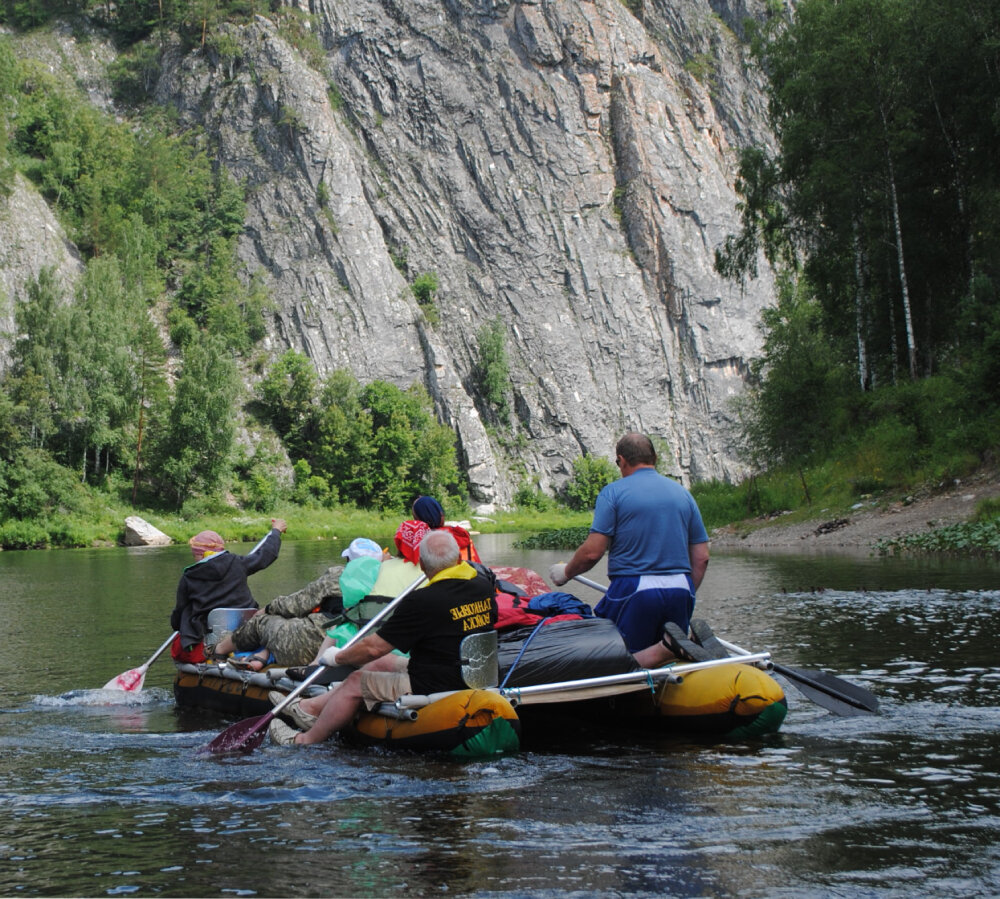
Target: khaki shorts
(383,686)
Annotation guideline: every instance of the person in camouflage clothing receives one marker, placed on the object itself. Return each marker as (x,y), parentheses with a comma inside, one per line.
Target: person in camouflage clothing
(292,627)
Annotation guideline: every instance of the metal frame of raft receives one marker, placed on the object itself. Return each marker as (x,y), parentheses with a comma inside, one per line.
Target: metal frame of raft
(618,683)
(276,679)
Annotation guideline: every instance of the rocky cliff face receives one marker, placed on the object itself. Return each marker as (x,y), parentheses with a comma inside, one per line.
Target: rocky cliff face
(564,165)
(30,239)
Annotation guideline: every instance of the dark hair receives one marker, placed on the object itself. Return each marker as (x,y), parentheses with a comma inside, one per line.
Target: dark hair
(636,449)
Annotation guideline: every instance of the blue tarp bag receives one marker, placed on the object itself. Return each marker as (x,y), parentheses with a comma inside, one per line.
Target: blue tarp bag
(557,603)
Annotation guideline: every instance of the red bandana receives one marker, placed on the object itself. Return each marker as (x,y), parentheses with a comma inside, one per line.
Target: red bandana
(408,539)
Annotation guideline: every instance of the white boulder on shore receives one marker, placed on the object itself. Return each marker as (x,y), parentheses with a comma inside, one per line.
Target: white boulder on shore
(139,532)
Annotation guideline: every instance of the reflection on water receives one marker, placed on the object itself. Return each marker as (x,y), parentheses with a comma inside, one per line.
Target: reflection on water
(106,795)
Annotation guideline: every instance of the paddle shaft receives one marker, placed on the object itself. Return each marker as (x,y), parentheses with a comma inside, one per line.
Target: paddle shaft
(363,631)
(587,582)
(162,649)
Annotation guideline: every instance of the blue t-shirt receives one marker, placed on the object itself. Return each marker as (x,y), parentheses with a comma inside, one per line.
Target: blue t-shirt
(652,521)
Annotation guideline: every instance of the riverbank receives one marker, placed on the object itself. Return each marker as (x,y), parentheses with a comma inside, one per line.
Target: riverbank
(868,522)
(106,526)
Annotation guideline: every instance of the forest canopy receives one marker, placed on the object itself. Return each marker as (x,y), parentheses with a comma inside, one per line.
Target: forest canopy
(880,202)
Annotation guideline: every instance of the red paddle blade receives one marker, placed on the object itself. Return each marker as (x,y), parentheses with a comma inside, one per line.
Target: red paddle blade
(129,681)
(243,736)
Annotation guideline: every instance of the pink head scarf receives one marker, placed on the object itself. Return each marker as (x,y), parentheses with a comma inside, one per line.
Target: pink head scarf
(206,542)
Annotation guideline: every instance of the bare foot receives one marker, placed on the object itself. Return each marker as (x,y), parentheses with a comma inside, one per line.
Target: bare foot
(259,661)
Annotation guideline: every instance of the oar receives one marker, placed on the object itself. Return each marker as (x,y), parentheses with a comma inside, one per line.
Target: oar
(131,681)
(247,735)
(826,690)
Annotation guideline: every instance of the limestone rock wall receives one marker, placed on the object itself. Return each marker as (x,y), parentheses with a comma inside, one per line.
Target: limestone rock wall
(555,163)
(30,239)
(564,165)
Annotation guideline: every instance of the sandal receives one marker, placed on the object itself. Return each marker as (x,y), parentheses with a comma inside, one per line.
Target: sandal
(678,643)
(703,634)
(251,661)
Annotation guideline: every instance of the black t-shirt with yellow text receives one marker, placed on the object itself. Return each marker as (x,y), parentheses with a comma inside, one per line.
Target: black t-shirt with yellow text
(431,623)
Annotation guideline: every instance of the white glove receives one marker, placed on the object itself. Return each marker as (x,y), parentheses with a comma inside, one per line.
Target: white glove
(329,657)
(557,574)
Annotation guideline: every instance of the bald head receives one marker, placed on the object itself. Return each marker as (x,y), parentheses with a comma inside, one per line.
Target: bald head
(438,550)
(636,449)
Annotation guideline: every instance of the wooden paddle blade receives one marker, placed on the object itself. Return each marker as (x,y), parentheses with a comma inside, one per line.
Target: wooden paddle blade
(129,681)
(243,736)
(831,692)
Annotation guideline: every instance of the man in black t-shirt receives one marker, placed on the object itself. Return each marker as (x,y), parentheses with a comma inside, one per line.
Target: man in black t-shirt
(429,624)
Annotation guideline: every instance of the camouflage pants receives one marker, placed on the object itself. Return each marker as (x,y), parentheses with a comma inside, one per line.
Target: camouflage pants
(288,626)
(294,641)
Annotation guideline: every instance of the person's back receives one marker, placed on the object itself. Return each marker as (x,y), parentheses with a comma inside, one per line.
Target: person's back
(217,579)
(466,548)
(394,577)
(651,520)
(431,624)
(428,515)
(657,548)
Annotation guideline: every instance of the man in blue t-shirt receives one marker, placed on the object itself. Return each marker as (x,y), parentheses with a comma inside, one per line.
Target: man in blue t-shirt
(657,549)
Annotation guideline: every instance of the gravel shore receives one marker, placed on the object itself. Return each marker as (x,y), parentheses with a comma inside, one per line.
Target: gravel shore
(867,522)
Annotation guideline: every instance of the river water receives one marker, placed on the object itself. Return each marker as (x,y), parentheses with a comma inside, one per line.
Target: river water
(105,798)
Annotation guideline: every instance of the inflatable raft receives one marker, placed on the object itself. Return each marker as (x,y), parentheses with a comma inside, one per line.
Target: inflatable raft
(466,723)
(580,669)
(569,677)
(550,674)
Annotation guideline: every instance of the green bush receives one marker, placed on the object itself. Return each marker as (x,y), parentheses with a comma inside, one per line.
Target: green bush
(311,490)
(134,73)
(399,256)
(987,510)
(258,490)
(721,503)
(563,538)
(34,486)
(590,475)
(530,496)
(17,534)
(199,507)
(287,397)
(424,289)
(66,532)
(918,431)
(980,538)
(492,368)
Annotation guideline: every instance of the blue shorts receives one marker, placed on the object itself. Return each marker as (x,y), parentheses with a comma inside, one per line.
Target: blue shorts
(640,606)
